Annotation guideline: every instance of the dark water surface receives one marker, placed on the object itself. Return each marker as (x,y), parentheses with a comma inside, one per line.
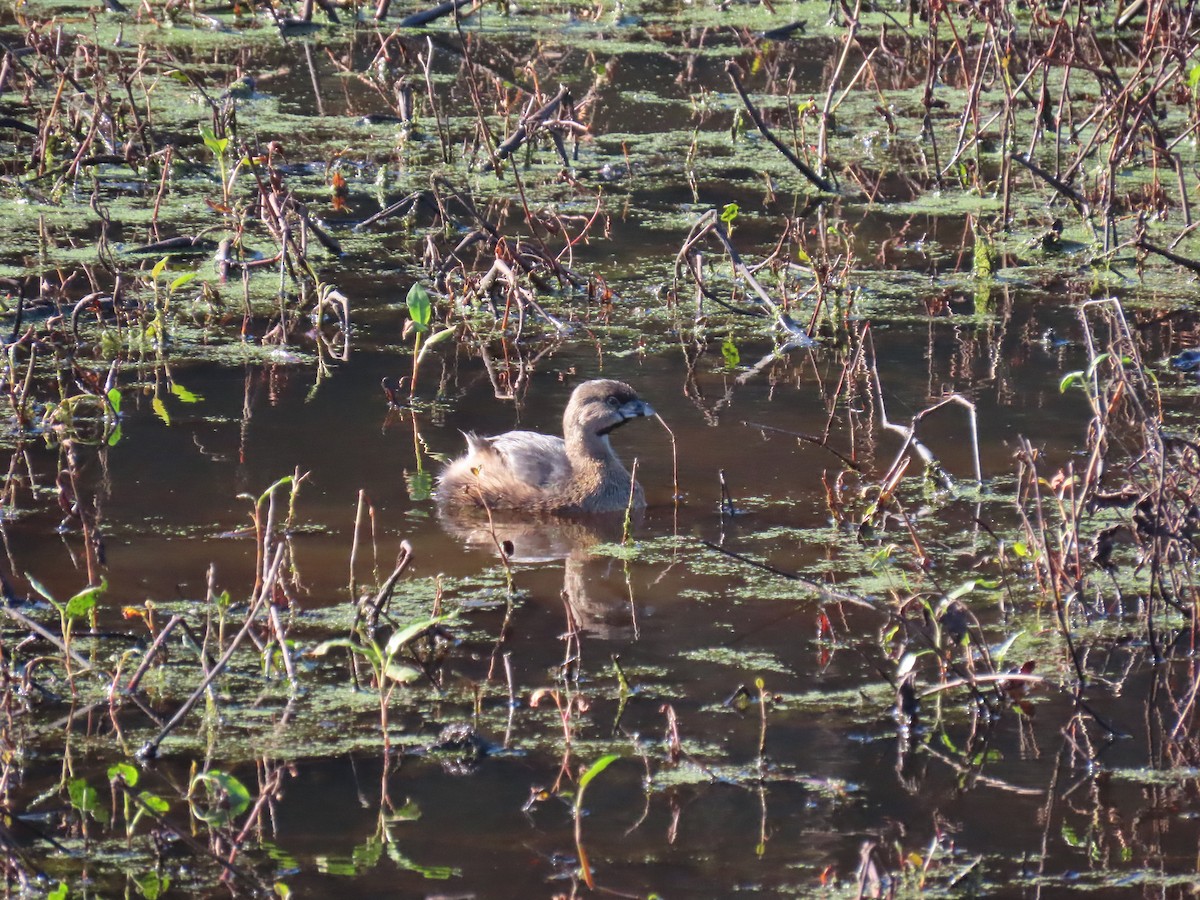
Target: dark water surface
(1033,801)
(836,772)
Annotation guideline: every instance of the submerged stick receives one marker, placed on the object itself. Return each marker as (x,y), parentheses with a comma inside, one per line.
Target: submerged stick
(400,207)
(732,70)
(136,679)
(184,837)
(26,622)
(425,16)
(150,748)
(909,433)
(513,142)
(323,238)
(811,438)
(710,224)
(823,590)
(1062,187)
(1189,264)
(374,606)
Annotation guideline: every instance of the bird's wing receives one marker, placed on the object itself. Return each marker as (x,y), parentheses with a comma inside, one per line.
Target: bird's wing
(536,459)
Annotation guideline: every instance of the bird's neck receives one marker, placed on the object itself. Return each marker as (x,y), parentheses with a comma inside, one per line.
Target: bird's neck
(597,475)
(588,447)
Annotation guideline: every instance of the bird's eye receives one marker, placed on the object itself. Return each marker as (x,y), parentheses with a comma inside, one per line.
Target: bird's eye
(613,402)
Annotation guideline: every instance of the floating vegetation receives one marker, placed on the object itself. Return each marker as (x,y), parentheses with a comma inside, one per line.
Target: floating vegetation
(913,288)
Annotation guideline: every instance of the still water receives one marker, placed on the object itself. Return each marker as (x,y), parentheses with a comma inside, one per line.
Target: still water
(689,626)
(722,787)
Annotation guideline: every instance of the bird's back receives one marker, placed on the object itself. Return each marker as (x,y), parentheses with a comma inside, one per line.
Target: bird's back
(513,469)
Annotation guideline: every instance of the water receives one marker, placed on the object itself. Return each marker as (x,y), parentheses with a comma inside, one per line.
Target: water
(734,798)
(688,625)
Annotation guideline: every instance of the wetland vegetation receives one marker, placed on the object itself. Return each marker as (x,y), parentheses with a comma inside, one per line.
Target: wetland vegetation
(912,608)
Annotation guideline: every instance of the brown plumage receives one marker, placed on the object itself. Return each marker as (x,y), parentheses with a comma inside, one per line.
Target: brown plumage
(578,472)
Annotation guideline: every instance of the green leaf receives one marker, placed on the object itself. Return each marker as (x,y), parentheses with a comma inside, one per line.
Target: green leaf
(729,350)
(369,652)
(430,873)
(159,267)
(37,586)
(85,601)
(160,410)
(228,797)
(402,673)
(60,892)
(1096,363)
(184,395)
(1193,77)
(285,480)
(154,803)
(217,145)
(420,307)
(409,812)
(114,399)
(152,885)
(595,769)
(115,437)
(1000,652)
(127,773)
(439,336)
(962,590)
(83,796)
(729,213)
(410,632)
(985,255)
(323,648)
(181,281)
(1068,380)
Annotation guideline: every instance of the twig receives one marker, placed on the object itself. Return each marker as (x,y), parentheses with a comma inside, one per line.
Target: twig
(732,70)
(33,626)
(375,605)
(513,142)
(150,748)
(825,592)
(811,438)
(1189,264)
(136,678)
(1062,187)
(400,207)
(425,16)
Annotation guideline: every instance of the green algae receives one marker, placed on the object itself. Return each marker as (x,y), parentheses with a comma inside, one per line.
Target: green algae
(647,212)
